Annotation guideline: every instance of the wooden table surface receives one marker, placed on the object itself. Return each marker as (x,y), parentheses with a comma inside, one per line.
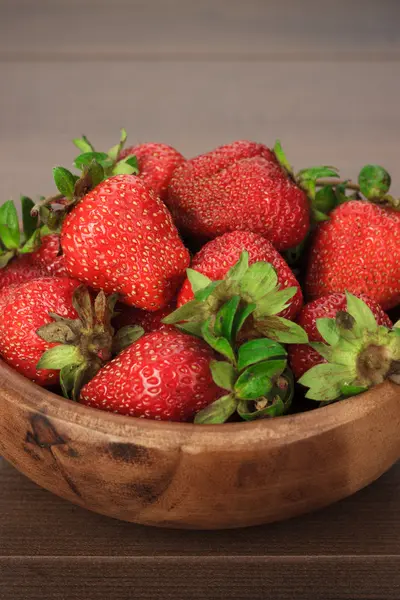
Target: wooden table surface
(54,550)
(322,76)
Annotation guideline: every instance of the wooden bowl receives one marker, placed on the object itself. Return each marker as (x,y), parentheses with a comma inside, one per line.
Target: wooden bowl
(197,476)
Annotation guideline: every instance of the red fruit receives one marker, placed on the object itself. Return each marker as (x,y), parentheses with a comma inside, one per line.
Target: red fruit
(157,162)
(150,321)
(302,357)
(357,250)
(120,238)
(240,186)
(216,258)
(165,375)
(45,262)
(24,308)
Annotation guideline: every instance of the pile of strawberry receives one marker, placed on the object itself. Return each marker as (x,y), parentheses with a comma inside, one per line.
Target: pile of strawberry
(173,289)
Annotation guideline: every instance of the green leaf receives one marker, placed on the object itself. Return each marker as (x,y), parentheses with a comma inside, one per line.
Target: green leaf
(258,350)
(30,223)
(86,158)
(274,409)
(340,193)
(374,181)
(7,238)
(82,303)
(325,381)
(5,258)
(352,390)
(362,314)
(83,144)
(281,330)
(204,293)
(241,317)
(122,168)
(32,244)
(133,162)
(275,302)
(191,327)
(325,200)
(239,269)
(396,325)
(256,381)
(67,378)
(125,337)
(9,221)
(217,412)
(224,374)
(314,173)
(281,157)
(58,331)
(59,357)
(259,279)
(319,216)
(327,328)
(309,186)
(322,349)
(225,318)
(219,344)
(185,312)
(197,280)
(114,152)
(65,181)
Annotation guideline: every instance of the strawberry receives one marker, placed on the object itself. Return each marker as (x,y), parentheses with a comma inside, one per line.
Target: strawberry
(359,353)
(50,331)
(120,238)
(24,309)
(149,321)
(254,293)
(240,186)
(303,357)
(44,262)
(165,375)
(216,258)
(357,250)
(157,163)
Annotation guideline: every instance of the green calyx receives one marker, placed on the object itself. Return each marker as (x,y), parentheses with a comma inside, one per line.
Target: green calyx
(94,167)
(252,298)
(256,379)
(84,344)
(359,354)
(321,201)
(16,240)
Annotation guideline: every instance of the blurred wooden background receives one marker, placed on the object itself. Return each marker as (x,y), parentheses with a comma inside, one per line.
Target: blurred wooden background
(324,77)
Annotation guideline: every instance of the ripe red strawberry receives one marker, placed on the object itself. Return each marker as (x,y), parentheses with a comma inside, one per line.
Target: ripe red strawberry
(149,321)
(302,357)
(165,375)
(216,258)
(240,186)
(44,262)
(120,238)
(357,250)
(156,162)
(24,308)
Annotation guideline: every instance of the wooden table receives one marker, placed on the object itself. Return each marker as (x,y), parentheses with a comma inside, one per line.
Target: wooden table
(52,550)
(323,77)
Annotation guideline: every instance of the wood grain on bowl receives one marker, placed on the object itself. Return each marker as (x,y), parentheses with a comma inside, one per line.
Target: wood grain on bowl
(195,476)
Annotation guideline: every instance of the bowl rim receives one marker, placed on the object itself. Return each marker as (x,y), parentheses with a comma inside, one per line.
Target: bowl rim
(289,428)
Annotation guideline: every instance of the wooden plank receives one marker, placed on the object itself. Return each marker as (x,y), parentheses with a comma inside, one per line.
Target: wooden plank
(35,523)
(52,29)
(323,112)
(211,578)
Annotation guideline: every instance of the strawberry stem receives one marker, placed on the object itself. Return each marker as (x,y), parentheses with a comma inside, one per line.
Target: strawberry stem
(350,185)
